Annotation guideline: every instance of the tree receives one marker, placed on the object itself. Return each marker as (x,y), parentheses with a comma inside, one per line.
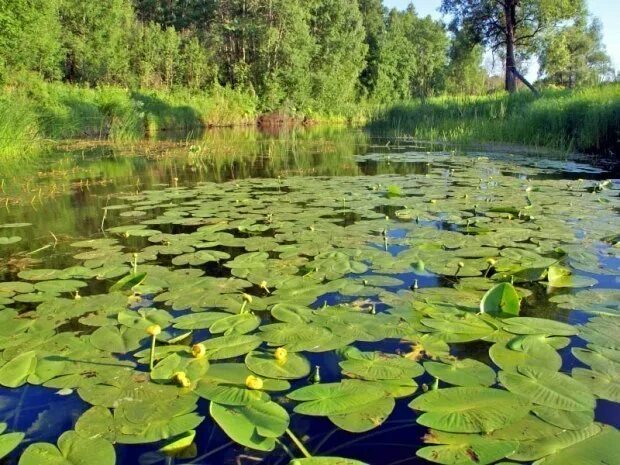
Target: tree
(575,55)
(509,24)
(413,57)
(30,36)
(465,73)
(96,39)
(373,13)
(338,60)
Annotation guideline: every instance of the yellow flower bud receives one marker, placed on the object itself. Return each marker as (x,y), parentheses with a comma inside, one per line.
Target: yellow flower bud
(247,298)
(182,379)
(281,354)
(254,382)
(491,261)
(460,264)
(199,350)
(134,299)
(153,330)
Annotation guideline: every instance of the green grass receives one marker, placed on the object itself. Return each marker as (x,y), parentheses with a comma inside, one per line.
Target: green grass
(19,132)
(587,120)
(32,111)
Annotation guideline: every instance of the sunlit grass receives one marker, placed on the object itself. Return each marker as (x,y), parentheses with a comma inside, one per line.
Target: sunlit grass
(585,119)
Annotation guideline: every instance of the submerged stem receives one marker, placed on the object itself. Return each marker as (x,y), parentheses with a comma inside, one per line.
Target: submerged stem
(298,443)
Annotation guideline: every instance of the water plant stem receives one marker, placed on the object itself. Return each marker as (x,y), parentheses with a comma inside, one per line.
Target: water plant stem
(298,443)
(152,356)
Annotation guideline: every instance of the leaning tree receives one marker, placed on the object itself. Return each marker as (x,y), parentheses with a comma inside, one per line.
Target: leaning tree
(509,24)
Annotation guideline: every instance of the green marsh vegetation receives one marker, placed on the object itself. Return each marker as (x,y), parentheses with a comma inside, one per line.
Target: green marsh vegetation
(584,120)
(304,296)
(125,69)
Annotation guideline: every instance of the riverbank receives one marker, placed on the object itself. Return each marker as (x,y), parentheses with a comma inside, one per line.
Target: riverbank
(585,120)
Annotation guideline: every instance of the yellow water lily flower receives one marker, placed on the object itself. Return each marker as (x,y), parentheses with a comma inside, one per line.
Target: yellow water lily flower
(153,330)
(199,350)
(254,382)
(182,379)
(281,354)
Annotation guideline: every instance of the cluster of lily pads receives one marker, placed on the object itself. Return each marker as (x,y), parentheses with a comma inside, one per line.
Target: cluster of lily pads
(218,292)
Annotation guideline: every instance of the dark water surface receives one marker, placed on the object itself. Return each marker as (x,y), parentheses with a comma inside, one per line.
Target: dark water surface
(63,196)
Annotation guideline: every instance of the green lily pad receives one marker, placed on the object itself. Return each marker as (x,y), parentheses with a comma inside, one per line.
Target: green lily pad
(502,299)
(379,366)
(560,276)
(336,398)
(602,385)
(230,346)
(369,417)
(9,441)
(548,388)
(118,340)
(16,372)
(531,353)
(464,449)
(601,448)
(236,324)
(563,418)
(529,325)
(466,372)
(255,425)
(294,366)
(325,461)
(469,409)
(72,449)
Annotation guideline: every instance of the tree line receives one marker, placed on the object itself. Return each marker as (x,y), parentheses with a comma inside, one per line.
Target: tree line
(299,54)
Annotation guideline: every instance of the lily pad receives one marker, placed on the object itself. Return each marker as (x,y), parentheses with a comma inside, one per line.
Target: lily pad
(72,449)
(466,372)
(469,409)
(255,425)
(548,388)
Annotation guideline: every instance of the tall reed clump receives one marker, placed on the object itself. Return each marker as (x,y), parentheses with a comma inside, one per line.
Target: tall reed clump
(585,119)
(183,109)
(19,133)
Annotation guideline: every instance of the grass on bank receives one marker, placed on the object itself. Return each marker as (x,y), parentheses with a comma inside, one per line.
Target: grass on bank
(33,111)
(586,120)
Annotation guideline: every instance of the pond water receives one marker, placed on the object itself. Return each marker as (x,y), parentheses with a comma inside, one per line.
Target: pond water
(366,256)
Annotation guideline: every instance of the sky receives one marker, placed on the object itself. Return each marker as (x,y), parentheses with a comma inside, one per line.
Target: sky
(608,11)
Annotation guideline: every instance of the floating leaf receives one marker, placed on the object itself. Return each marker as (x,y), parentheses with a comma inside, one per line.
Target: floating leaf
(469,409)
(293,366)
(369,417)
(8,441)
(15,372)
(379,366)
(466,372)
(255,425)
(464,449)
(128,282)
(336,398)
(502,299)
(325,461)
(72,449)
(549,388)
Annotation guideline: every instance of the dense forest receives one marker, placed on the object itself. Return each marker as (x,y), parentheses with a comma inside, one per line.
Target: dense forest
(294,55)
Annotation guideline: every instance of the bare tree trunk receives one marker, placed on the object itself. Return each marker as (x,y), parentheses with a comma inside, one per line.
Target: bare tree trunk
(509,15)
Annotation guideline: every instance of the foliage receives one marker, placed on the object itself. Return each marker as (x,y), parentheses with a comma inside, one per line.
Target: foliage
(574,56)
(584,119)
(509,25)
